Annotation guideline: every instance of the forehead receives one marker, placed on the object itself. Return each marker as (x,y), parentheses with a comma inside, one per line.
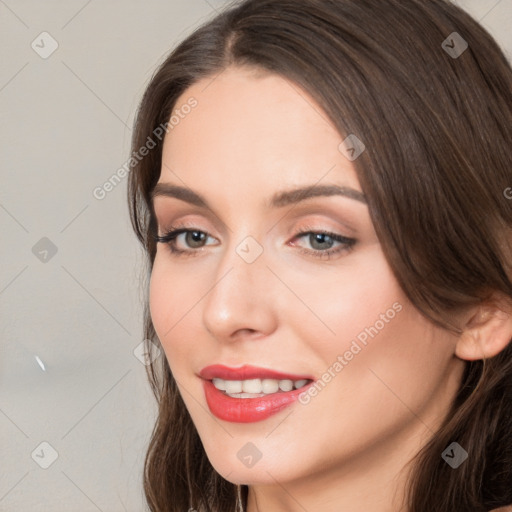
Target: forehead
(254,128)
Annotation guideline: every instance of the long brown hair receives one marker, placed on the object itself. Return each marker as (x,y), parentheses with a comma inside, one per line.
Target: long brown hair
(436,119)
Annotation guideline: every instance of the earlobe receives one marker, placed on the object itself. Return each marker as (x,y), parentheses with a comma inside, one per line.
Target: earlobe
(487,332)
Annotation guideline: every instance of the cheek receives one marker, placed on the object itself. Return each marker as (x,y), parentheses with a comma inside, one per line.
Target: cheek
(166,299)
(158,298)
(399,367)
(369,335)
(174,305)
(358,301)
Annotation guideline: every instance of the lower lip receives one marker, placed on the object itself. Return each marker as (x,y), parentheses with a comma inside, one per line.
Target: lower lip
(247,410)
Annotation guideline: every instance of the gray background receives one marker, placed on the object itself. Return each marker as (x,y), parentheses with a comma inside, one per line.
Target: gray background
(65,129)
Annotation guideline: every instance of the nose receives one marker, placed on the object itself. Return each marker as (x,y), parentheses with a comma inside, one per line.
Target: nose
(241,300)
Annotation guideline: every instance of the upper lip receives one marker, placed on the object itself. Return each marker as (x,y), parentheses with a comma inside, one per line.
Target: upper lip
(246,372)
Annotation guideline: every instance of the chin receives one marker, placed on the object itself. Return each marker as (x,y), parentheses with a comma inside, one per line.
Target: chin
(240,461)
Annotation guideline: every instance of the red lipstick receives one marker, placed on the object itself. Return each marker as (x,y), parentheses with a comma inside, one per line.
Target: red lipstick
(248,410)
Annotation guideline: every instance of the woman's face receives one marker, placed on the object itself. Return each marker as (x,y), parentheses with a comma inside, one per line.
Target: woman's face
(250,289)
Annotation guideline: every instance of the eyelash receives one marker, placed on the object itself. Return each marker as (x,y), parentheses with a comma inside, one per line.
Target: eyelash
(169,238)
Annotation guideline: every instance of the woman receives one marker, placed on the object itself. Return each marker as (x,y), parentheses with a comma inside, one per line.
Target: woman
(325,212)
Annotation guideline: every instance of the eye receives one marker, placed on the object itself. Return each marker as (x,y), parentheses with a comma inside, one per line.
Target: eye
(325,244)
(193,239)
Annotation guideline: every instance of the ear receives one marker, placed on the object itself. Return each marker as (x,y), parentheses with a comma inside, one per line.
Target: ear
(487,330)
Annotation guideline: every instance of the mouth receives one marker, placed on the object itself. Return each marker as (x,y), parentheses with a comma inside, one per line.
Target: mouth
(255,388)
(249,394)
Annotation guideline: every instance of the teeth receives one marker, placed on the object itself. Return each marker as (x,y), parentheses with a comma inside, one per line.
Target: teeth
(219,384)
(246,395)
(251,386)
(233,386)
(270,386)
(256,387)
(286,385)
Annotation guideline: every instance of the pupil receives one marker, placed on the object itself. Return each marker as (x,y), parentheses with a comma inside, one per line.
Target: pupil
(195,237)
(320,238)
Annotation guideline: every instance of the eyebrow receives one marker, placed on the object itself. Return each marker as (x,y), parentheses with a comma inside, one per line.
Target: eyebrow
(278,200)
